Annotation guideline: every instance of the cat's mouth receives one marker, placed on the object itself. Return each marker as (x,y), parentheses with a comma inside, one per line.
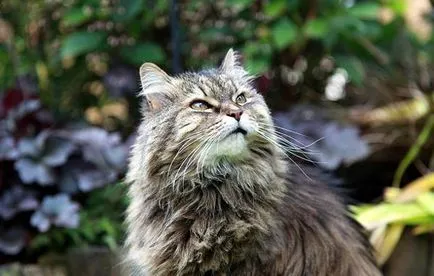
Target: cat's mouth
(239,130)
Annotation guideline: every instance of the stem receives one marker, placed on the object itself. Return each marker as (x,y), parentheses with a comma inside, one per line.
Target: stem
(176,45)
(414,151)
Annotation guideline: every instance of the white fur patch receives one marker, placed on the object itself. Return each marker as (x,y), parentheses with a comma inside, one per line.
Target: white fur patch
(232,147)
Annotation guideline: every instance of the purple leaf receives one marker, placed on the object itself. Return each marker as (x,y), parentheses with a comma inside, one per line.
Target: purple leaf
(95,155)
(12,240)
(24,108)
(84,176)
(28,203)
(121,80)
(95,136)
(101,148)
(324,140)
(28,147)
(57,151)
(40,221)
(30,172)
(68,182)
(92,179)
(41,153)
(28,83)
(41,138)
(8,151)
(6,212)
(16,200)
(56,210)
(117,157)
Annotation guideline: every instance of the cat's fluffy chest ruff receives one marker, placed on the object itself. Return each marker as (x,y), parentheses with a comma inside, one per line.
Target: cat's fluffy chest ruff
(211,234)
(215,244)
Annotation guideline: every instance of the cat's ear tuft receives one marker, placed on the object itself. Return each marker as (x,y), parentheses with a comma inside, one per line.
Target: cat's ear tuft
(154,85)
(231,61)
(151,75)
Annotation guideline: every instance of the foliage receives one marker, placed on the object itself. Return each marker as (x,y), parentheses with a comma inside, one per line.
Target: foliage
(412,205)
(282,31)
(55,166)
(101,223)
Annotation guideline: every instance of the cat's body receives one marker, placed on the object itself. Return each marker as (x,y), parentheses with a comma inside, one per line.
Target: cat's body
(213,194)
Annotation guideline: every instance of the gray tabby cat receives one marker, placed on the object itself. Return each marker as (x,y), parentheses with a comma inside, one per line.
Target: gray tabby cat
(212,193)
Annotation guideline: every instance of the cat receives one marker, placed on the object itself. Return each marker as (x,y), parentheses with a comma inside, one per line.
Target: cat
(213,193)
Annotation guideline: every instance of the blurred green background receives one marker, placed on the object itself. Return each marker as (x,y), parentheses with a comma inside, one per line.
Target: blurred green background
(359,72)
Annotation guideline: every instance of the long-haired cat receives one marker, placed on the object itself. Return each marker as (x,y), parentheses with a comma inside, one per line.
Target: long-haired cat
(212,192)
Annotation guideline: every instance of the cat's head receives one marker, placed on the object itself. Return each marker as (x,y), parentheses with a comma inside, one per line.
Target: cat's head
(205,117)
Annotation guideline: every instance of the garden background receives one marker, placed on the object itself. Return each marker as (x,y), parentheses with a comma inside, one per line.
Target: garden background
(353,77)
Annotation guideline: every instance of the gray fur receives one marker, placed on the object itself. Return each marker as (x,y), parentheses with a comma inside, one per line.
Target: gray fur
(196,211)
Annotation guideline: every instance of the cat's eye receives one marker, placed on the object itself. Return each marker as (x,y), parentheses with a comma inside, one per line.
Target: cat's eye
(200,105)
(241,99)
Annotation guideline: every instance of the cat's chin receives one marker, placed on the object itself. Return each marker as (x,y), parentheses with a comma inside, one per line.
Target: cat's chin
(234,146)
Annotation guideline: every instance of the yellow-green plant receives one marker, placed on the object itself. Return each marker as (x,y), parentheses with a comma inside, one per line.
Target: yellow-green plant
(412,205)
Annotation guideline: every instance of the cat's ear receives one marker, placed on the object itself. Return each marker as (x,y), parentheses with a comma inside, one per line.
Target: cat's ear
(154,85)
(231,61)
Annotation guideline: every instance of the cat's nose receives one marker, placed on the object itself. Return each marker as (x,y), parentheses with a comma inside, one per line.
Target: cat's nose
(235,114)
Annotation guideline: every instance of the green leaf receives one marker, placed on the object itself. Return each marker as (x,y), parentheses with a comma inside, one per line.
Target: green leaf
(414,151)
(427,202)
(357,209)
(345,23)
(353,66)
(81,43)
(145,52)
(284,32)
(110,242)
(316,28)
(213,34)
(367,10)
(107,226)
(386,213)
(239,4)
(40,241)
(75,17)
(77,240)
(128,9)
(274,8)
(257,66)
(398,6)
(423,229)
(258,57)
(386,240)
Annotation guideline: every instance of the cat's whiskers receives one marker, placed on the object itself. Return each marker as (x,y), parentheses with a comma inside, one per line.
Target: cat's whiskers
(276,144)
(294,143)
(194,138)
(188,159)
(281,137)
(188,142)
(175,177)
(289,146)
(302,146)
(304,152)
(203,155)
(288,130)
(300,152)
